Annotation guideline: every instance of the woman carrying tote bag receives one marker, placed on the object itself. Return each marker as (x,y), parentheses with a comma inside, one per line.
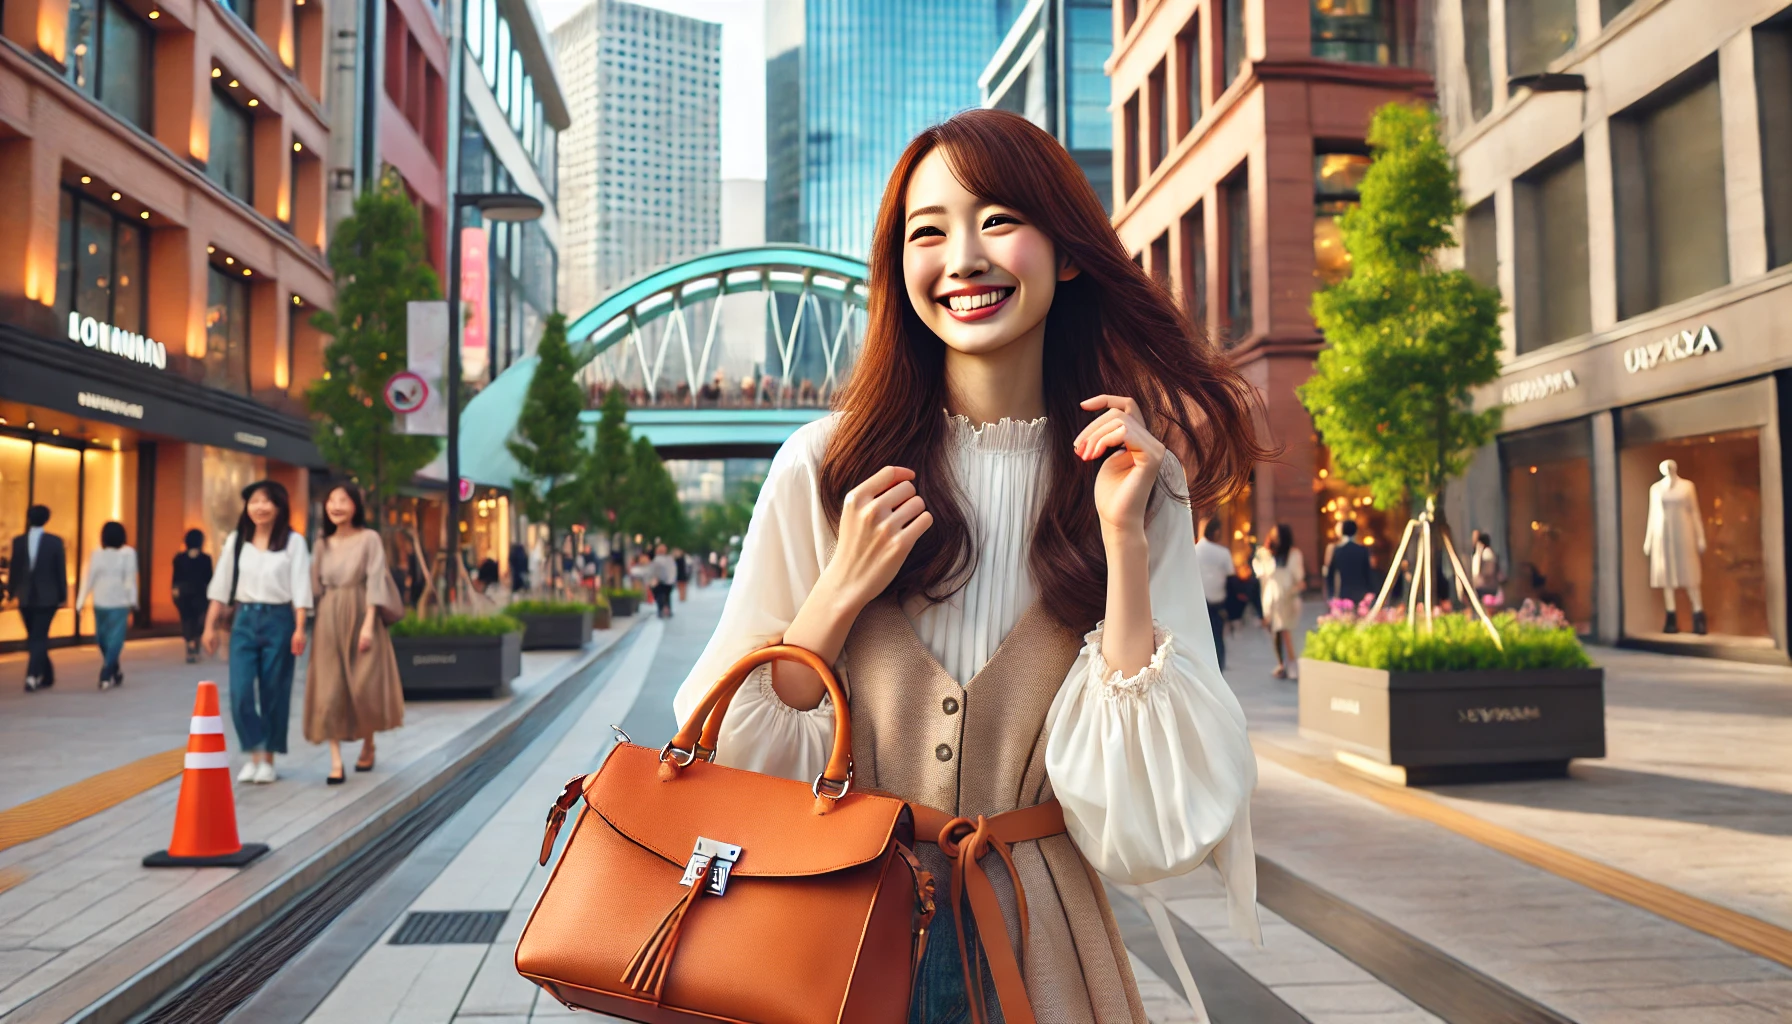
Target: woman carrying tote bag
(992,546)
(352,689)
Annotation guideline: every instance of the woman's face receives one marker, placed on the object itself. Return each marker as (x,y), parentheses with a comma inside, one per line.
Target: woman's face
(340,507)
(262,509)
(978,274)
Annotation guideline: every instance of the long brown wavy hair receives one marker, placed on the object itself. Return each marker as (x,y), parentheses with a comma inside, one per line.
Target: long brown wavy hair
(1111,330)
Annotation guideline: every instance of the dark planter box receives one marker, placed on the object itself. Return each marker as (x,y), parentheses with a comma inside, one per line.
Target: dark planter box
(542,632)
(1456,726)
(600,618)
(623,606)
(450,665)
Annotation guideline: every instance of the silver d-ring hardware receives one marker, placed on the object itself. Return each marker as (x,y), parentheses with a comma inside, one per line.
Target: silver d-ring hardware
(845,787)
(621,737)
(672,753)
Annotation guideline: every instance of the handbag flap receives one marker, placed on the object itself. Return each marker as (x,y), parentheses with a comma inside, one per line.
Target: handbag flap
(771,819)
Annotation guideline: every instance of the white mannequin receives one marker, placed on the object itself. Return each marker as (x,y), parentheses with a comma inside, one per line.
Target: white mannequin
(1673,541)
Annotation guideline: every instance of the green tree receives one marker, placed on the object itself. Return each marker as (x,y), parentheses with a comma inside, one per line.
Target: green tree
(380,264)
(606,470)
(546,445)
(1407,341)
(652,508)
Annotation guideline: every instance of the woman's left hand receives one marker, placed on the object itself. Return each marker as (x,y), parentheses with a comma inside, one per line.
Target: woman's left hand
(1124,482)
(366,643)
(298,641)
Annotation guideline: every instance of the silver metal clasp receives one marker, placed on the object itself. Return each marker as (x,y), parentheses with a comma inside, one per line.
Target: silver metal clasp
(711,858)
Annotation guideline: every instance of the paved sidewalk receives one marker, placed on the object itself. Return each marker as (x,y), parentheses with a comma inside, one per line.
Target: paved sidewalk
(83,893)
(1694,795)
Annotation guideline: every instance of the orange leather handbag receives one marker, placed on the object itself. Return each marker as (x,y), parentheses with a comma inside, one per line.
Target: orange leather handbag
(690,891)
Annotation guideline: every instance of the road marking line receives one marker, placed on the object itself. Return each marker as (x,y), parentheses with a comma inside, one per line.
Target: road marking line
(1747,933)
(37,818)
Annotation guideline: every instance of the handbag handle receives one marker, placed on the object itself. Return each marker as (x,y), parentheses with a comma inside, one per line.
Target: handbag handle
(699,734)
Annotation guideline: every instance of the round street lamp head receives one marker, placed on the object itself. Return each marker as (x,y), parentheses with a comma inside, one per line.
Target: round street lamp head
(507,206)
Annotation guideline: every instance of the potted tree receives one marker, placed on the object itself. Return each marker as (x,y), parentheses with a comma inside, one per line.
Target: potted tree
(1421,693)
(546,444)
(456,655)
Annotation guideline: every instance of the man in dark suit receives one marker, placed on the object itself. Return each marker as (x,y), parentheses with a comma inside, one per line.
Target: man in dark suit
(1349,575)
(39,582)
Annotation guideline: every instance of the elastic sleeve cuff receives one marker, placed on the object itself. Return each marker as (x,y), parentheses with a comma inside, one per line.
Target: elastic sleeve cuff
(759,682)
(1109,682)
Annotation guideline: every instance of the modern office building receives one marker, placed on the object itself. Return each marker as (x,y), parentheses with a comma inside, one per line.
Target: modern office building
(1051,69)
(1238,139)
(1628,173)
(848,84)
(640,166)
(161,253)
(512,111)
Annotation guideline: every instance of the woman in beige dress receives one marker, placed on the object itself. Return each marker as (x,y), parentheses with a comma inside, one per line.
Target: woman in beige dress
(352,689)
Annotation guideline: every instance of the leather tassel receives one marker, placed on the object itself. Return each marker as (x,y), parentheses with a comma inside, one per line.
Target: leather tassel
(647,971)
(823,804)
(668,771)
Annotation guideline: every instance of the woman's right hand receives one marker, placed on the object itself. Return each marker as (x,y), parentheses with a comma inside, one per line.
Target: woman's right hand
(209,640)
(880,521)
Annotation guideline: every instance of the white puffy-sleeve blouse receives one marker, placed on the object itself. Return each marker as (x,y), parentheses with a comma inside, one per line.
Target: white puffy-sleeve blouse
(1154,770)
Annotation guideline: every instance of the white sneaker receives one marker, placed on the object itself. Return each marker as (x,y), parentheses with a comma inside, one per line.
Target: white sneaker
(248,772)
(264,772)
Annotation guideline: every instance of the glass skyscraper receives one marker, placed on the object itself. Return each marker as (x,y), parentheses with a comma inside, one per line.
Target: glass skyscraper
(1049,69)
(848,84)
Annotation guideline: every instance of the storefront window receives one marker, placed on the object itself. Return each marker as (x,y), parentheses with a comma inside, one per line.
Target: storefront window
(15,498)
(223,474)
(1336,179)
(231,163)
(1724,469)
(109,57)
(109,495)
(1335,501)
(1549,521)
(102,259)
(57,483)
(1359,31)
(226,332)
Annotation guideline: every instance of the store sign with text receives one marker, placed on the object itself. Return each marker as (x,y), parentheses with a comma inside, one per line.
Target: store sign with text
(1670,349)
(475,343)
(1532,388)
(116,340)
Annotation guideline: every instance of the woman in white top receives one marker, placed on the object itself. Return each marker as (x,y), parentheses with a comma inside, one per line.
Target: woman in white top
(264,574)
(996,471)
(1282,573)
(111,580)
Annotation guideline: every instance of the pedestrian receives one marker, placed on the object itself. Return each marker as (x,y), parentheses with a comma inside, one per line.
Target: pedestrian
(263,584)
(519,567)
(488,596)
(352,689)
(683,562)
(111,581)
(589,567)
(192,575)
(37,578)
(993,532)
(1279,566)
(663,572)
(1349,571)
(1215,563)
(1484,569)
(412,571)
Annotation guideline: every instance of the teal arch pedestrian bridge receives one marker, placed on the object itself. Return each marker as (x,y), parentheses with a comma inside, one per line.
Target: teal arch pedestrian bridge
(723,355)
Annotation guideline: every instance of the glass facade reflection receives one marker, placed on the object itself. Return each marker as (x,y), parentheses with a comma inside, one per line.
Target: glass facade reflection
(1050,69)
(863,78)
(1549,520)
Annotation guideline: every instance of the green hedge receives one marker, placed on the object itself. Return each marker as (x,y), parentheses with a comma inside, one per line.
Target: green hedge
(456,625)
(1457,642)
(539,607)
(623,592)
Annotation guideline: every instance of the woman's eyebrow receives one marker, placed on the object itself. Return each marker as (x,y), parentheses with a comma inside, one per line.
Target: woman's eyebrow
(924,211)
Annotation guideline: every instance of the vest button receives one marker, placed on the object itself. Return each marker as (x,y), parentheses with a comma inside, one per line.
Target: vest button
(949,705)
(943,752)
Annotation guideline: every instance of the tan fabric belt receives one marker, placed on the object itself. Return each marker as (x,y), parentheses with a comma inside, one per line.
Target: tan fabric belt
(964,841)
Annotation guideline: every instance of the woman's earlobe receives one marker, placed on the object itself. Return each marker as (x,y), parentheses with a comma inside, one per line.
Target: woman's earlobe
(1067,271)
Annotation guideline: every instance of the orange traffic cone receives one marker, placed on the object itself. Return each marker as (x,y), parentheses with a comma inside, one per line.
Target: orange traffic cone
(205,818)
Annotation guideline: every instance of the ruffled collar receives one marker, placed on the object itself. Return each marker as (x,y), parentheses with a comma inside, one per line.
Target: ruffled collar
(1004,435)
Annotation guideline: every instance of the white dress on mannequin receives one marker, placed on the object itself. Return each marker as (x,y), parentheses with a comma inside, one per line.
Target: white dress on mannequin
(1675,536)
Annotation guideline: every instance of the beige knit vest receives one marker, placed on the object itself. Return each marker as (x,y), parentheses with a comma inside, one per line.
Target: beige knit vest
(980,749)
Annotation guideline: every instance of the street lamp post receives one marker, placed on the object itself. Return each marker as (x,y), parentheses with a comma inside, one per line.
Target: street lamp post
(501,206)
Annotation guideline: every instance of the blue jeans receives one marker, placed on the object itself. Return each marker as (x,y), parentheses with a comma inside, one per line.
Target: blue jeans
(261,675)
(939,995)
(108,631)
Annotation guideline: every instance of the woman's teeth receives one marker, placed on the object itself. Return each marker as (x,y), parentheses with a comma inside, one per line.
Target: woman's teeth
(966,303)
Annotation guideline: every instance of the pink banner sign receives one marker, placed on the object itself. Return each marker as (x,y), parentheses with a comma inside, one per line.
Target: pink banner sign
(475,344)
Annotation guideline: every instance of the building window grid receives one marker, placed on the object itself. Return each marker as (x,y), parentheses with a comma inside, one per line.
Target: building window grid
(102,265)
(112,57)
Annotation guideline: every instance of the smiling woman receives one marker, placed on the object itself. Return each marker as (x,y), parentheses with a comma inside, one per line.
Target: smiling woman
(993,534)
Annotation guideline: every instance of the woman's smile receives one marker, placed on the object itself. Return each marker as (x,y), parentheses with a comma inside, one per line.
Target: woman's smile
(976,303)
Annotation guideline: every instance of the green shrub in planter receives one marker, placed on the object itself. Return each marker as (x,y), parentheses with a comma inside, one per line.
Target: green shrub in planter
(455,625)
(540,607)
(623,600)
(1533,638)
